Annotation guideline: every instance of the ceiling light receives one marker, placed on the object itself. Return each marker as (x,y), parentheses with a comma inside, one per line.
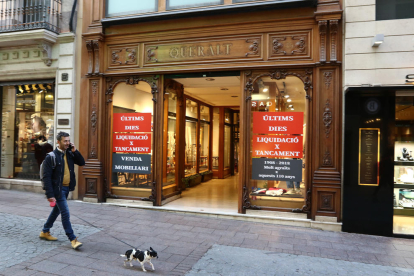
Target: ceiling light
(210,79)
(265,89)
(277,108)
(290,105)
(286,96)
(289,100)
(292,108)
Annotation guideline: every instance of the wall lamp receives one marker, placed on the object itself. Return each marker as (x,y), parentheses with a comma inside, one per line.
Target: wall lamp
(377,40)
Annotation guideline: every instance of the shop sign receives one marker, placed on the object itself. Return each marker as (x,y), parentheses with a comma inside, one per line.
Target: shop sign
(262,103)
(136,143)
(131,163)
(277,146)
(278,122)
(132,122)
(216,49)
(277,169)
(368,172)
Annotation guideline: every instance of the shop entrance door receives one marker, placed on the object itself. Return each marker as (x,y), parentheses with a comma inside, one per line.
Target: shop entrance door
(200,158)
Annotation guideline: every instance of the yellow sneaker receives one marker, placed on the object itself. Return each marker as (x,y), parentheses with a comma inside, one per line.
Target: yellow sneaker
(75,244)
(47,236)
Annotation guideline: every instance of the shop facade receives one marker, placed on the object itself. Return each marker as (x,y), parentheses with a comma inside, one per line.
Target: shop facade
(145,130)
(378,97)
(37,46)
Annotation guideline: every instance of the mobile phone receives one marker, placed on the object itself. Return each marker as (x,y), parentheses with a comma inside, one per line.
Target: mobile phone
(52,203)
(70,147)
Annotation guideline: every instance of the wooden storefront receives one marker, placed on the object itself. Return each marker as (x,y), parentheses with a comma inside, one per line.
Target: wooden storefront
(275,44)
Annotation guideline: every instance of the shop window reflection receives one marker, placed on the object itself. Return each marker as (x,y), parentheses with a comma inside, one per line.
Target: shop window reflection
(286,95)
(132,99)
(27,129)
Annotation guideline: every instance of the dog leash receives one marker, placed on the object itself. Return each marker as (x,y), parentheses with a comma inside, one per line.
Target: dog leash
(102,231)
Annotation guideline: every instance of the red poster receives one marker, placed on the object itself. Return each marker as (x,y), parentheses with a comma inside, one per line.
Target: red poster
(290,146)
(278,122)
(132,122)
(133,143)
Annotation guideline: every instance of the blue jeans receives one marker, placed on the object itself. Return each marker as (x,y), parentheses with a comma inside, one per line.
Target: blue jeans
(62,208)
(289,184)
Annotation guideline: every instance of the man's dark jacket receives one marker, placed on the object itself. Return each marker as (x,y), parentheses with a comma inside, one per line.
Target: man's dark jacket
(53,178)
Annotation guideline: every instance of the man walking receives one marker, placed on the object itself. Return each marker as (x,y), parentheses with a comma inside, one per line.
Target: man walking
(59,180)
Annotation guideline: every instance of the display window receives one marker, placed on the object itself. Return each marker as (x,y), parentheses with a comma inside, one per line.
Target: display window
(404,164)
(216,137)
(27,129)
(204,138)
(170,169)
(132,143)
(277,161)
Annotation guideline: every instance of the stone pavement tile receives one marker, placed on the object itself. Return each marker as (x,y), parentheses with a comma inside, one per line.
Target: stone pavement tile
(260,231)
(408,254)
(202,230)
(76,270)
(224,233)
(330,239)
(106,256)
(391,259)
(163,225)
(333,252)
(361,256)
(320,244)
(230,240)
(294,240)
(197,240)
(115,268)
(370,249)
(404,247)
(209,237)
(44,274)
(176,259)
(48,266)
(178,250)
(347,247)
(247,236)
(183,227)
(17,270)
(255,242)
(306,248)
(71,259)
(217,226)
(253,246)
(279,245)
(410,260)
(283,233)
(306,236)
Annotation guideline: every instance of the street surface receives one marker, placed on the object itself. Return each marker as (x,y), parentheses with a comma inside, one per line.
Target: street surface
(186,244)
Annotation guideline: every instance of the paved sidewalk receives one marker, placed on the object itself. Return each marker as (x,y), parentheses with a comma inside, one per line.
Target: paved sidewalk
(183,243)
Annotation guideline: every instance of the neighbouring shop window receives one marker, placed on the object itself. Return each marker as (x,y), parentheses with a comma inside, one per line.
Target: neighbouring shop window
(216,137)
(27,129)
(132,139)
(128,7)
(181,4)
(394,9)
(204,138)
(171,139)
(191,137)
(278,128)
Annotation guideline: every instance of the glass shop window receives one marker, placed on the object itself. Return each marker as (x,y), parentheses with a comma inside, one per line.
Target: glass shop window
(182,4)
(127,7)
(132,139)
(191,113)
(216,131)
(204,138)
(27,129)
(394,9)
(278,128)
(169,177)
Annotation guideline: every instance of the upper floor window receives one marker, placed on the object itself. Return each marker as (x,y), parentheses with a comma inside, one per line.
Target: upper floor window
(128,7)
(182,4)
(394,9)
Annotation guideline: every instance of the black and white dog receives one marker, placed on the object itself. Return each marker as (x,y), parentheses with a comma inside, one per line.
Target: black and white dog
(141,256)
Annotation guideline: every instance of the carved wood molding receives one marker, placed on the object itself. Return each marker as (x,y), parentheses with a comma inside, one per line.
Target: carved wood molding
(96,46)
(115,57)
(305,75)
(131,56)
(94,119)
(328,78)
(327,159)
(323,25)
(327,117)
(333,25)
(254,47)
(93,152)
(91,185)
(151,54)
(307,207)
(289,45)
(90,57)
(246,200)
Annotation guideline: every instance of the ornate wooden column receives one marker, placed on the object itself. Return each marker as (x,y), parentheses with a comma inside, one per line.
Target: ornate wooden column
(327,103)
(92,104)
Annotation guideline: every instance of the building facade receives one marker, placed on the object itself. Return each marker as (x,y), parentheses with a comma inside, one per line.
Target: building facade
(37,79)
(378,98)
(174,91)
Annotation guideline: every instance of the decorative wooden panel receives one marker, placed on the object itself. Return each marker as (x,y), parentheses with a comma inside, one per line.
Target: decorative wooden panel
(290,45)
(123,56)
(233,48)
(93,118)
(91,186)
